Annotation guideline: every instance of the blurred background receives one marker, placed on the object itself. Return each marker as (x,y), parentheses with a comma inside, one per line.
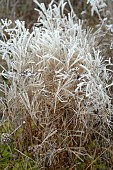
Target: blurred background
(19,9)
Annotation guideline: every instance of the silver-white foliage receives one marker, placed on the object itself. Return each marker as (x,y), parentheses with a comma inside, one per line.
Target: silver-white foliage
(96,6)
(59,45)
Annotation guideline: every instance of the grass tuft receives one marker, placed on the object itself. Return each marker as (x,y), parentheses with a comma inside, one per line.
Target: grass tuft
(56,100)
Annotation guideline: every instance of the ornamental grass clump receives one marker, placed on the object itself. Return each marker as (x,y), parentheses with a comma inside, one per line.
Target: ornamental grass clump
(56,82)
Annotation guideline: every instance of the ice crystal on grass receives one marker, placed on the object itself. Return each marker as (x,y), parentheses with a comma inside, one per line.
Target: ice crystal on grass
(96,6)
(62,60)
(55,74)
